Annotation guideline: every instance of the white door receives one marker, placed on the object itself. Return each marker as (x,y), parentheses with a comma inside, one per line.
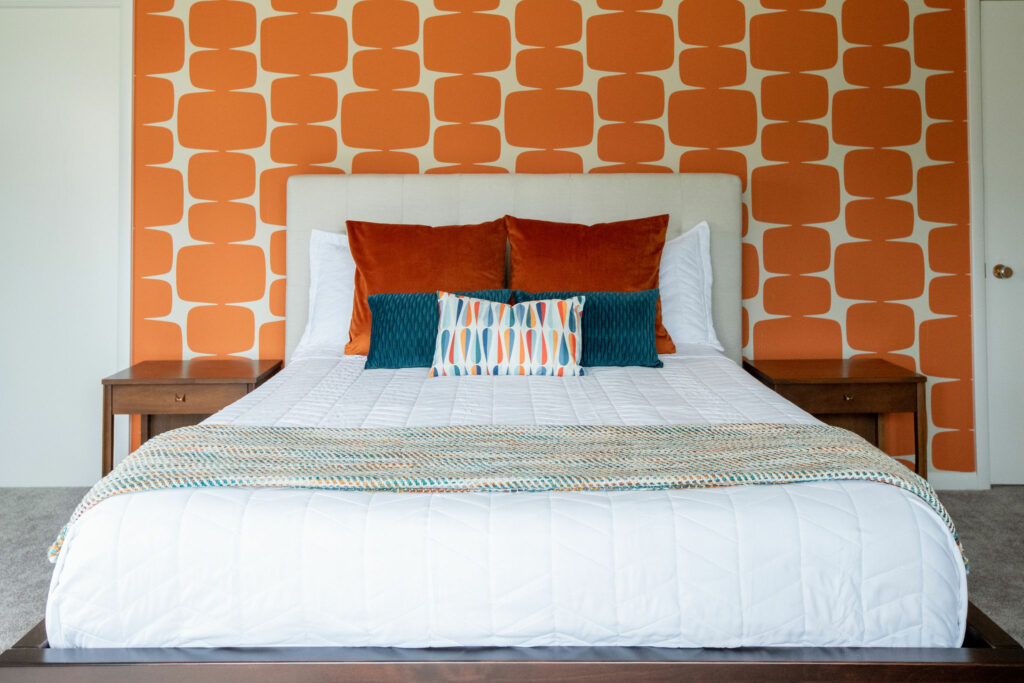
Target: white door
(1002,87)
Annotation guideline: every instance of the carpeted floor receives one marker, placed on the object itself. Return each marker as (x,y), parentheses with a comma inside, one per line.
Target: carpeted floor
(991,524)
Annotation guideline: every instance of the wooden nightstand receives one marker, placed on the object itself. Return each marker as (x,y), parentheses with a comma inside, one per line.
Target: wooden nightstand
(853,393)
(171,393)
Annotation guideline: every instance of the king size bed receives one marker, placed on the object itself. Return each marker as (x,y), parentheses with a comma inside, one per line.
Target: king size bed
(801,571)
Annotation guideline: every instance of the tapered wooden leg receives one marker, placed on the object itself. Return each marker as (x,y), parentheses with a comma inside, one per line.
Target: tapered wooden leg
(108,431)
(921,431)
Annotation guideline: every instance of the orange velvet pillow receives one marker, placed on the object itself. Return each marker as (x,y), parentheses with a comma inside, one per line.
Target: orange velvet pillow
(403,259)
(623,256)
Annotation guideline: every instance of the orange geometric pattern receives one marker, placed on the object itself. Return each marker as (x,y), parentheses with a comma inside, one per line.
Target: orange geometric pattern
(845,121)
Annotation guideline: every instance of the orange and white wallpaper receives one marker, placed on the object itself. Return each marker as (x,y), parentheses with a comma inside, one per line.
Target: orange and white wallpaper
(846,122)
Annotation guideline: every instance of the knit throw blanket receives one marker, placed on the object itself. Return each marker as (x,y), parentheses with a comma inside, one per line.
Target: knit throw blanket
(501,458)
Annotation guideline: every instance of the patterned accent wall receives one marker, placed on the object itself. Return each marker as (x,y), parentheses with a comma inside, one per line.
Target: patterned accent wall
(846,122)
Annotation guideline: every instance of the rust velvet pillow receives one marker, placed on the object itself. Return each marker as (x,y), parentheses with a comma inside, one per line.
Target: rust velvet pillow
(623,256)
(402,259)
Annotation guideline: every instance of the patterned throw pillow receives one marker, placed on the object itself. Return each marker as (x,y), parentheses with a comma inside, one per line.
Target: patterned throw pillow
(404,327)
(618,327)
(476,337)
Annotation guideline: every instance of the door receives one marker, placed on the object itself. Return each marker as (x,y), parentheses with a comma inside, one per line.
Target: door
(1002,101)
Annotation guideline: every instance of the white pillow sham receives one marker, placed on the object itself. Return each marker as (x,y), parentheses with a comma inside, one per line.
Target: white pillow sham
(684,281)
(332,274)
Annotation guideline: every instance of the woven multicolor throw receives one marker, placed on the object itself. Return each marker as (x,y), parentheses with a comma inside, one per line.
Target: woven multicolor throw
(502,458)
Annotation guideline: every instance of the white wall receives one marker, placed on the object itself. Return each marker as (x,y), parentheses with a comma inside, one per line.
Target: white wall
(63,254)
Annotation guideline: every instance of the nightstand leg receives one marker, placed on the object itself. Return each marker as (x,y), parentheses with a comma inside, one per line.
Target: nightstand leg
(108,432)
(921,432)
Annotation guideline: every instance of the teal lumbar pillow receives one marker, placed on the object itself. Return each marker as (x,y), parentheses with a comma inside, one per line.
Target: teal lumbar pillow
(618,327)
(403,327)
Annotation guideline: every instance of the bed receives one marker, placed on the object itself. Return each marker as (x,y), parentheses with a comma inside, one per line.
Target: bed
(808,575)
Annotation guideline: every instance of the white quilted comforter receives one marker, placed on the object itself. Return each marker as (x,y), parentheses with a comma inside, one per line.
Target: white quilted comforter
(837,563)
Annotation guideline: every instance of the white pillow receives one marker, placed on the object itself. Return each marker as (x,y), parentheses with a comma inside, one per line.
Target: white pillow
(332,275)
(685,284)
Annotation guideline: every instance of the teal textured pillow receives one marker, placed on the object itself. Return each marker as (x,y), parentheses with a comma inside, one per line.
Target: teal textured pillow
(618,327)
(403,327)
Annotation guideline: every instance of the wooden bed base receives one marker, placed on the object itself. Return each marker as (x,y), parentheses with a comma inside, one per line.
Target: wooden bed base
(988,654)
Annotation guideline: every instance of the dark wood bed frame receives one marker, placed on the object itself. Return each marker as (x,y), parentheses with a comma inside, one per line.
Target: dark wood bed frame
(988,654)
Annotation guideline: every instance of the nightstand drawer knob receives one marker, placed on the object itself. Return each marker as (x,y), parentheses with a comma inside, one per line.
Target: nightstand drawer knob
(847,397)
(179,398)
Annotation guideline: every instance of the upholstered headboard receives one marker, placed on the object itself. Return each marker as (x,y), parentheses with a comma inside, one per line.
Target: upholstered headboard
(325,202)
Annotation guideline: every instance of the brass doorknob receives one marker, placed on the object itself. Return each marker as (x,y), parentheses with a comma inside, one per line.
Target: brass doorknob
(1002,272)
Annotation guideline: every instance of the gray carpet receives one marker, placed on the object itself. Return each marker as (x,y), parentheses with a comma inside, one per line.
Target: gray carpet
(991,524)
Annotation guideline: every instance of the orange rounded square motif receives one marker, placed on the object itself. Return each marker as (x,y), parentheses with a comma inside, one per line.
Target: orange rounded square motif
(303,145)
(879,271)
(220,176)
(159,44)
(385,162)
(876,67)
(465,99)
(943,193)
(795,194)
(879,219)
(751,279)
(878,172)
(276,297)
(153,100)
(466,143)
(549,67)
(302,6)
(794,142)
(949,249)
(466,5)
(303,99)
(549,119)
(152,252)
(793,41)
(222,69)
(945,96)
(952,404)
(156,339)
(220,330)
(153,145)
(796,249)
(222,221)
(794,97)
(630,42)
(797,295)
(272,339)
(630,142)
(222,120)
(157,197)
(547,23)
(385,23)
(940,40)
(713,67)
(798,337)
(549,161)
(880,327)
(278,252)
(711,22)
(875,22)
(954,451)
(385,119)
(630,97)
(945,347)
(876,117)
(386,69)
(217,24)
(466,43)
(303,43)
(150,298)
(950,295)
(221,273)
(712,118)
(947,141)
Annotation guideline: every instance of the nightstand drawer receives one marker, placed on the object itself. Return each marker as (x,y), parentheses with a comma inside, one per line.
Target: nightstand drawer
(852,398)
(175,398)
